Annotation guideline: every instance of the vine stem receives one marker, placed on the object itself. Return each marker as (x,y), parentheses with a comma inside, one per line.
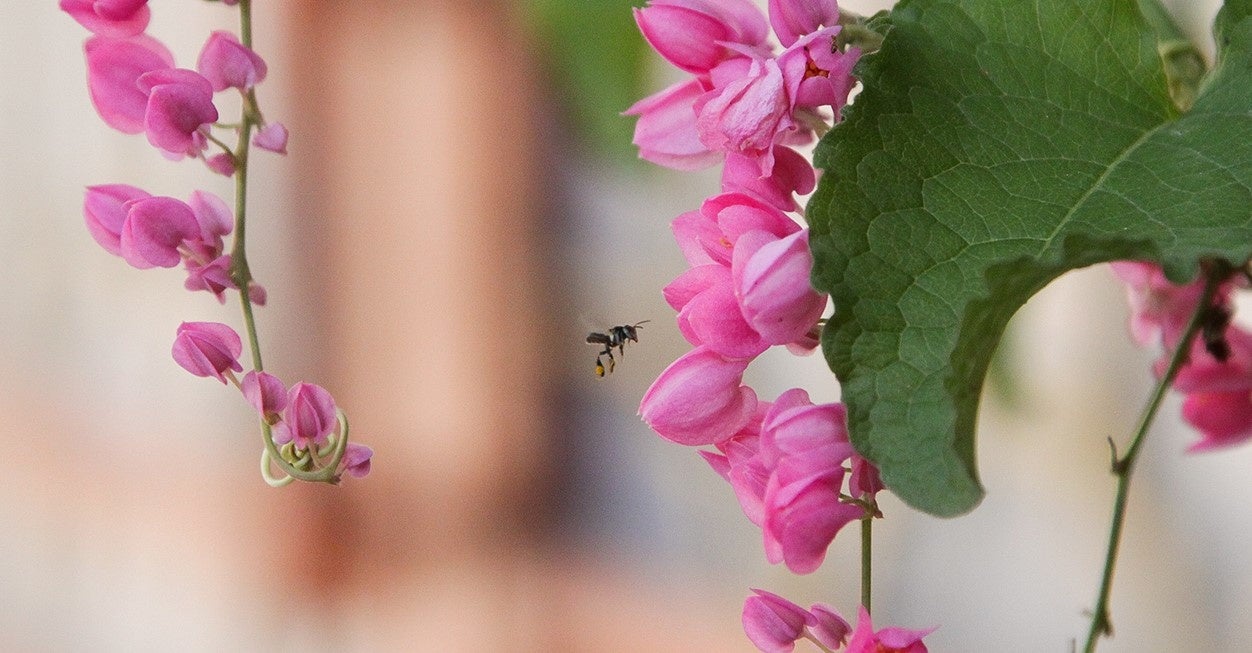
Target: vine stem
(1123,468)
(239,271)
(867,539)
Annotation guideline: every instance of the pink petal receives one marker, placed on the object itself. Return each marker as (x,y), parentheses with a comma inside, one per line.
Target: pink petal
(666,131)
(104,209)
(113,68)
(773,623)
(154,228)
(111,18)
(207,349)
(792,19)
(699,399)
(271,137)
(227,63)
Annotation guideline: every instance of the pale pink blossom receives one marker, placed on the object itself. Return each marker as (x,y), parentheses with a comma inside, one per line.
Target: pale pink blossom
(1160,309)
(309,417)
(792,19)
(666,130)
(227,63)
(699,399)
(154,229)
(748,115)
(272,137)
(180,107)
(114,67)
(828,627)
(112,18)
(105,208)
(887,640)
(207,349)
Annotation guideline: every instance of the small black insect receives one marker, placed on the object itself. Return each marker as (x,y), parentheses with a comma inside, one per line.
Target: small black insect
(616,337)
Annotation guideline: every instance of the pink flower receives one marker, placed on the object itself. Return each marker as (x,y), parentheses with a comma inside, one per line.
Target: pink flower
(1158,307)
(180,105)
(709,235)
(105,209)
(887,640)
(771,279)
(792,19)
(792,173)
(112,18)
(213,276)
(1218,399)
(356,460)
(272,137)
(741,465)
(309,417)
(114,67)
(227,63)
(816,74)
(154,229)
(709,314)
(748,115)
(221,163)
(773,623)
(207,349)
(806,446)
(266,393)
(692,34)
(666,131)
(699,399)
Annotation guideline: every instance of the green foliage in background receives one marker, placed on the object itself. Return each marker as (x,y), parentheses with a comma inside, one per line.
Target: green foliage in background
(595,55)
(996,145)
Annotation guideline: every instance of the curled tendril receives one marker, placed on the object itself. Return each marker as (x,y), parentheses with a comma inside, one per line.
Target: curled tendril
(304,465)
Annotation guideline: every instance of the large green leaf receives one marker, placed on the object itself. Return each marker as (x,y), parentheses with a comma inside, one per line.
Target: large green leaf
(996,145)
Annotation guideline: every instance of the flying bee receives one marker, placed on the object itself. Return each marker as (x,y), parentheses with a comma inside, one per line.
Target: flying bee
(616,337)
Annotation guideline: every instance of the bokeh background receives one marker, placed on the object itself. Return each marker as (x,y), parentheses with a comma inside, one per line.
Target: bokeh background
(461,205)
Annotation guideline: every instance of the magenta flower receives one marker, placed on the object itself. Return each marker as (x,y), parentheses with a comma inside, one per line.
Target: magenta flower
(709,235)
(112,18)
(693,34)
(1218,399)
(105,209)
(699,399)
(114,67)
(887,640)
(227,63)
(154,229)
(266,393)
(356,460)
(309,417)
(207,349)
(771,280)
(773,623)
(213,276)
(666,131)
(271,137)
(792,19)
(792,173)
(180,105)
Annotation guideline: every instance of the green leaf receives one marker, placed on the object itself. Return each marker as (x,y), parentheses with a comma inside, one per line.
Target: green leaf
(996,145)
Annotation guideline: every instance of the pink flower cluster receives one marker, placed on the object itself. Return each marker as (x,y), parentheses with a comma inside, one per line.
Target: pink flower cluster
(747,287)
(1217,376)
(775,624)
(136,88)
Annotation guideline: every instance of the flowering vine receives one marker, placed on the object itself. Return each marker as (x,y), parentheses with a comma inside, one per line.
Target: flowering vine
(136,88)
(747,105)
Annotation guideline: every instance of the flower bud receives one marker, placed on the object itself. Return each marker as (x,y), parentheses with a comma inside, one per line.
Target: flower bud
(207,349)
(266,393)
(773,623)
(227,63)
(772,284)
(111,18)
(180,103)
(356,460)
(792,19)
(153,231)
(699,399)
(272,137)
(308,418)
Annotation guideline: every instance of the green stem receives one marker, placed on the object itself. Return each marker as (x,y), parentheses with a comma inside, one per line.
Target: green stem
(239,270)
(1101,623)
(867,538)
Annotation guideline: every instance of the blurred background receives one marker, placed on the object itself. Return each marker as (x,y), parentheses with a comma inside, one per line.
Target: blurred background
(460,206)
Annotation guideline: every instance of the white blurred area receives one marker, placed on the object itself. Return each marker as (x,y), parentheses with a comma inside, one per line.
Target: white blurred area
(413,276)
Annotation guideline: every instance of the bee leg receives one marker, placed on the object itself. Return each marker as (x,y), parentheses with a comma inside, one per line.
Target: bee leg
(612,363)
(599,367)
